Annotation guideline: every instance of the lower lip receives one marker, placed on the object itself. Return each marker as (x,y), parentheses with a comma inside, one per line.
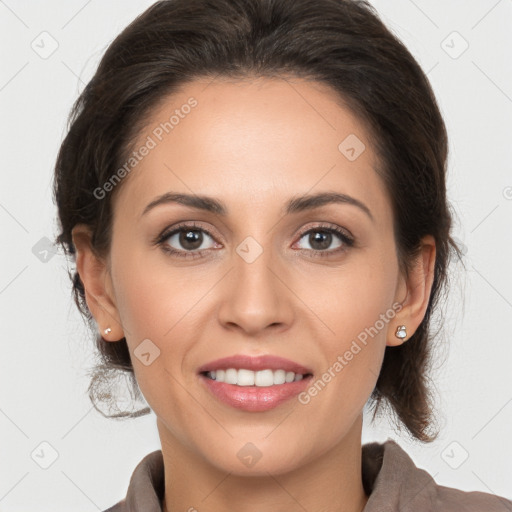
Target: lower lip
(255,398)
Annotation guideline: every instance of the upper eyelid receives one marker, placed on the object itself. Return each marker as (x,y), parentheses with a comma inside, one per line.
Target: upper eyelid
(326,226)
(193,226)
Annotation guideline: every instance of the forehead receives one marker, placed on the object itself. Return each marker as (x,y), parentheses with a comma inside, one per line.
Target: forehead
(253,142)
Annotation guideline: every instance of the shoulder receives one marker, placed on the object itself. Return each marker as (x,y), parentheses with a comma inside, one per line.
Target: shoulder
(395,483)
(146,488)
(118,507)
(455,499)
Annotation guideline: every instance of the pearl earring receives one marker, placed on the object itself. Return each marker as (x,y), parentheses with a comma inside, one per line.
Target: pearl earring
(401,332)
(108,330)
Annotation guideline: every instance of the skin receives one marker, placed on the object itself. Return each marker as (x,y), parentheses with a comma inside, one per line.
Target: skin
(254,144)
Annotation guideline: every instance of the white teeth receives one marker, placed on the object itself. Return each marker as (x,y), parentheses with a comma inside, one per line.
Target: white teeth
(244,378)
(262,378)
(231,376)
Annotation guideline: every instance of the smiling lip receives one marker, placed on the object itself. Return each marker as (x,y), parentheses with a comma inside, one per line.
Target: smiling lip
(255,398)
(255,363)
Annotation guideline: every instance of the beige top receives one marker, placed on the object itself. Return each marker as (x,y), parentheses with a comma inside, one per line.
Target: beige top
(390,478)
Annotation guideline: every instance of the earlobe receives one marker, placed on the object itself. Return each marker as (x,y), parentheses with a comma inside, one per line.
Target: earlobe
(96,279)
(419,285)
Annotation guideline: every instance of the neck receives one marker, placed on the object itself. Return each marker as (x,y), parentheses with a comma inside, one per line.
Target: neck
(331,482)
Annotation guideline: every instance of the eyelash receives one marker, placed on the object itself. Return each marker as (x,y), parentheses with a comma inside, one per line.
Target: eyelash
(162,238)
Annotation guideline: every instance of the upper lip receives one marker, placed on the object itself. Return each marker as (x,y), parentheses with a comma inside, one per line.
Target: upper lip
(255,363)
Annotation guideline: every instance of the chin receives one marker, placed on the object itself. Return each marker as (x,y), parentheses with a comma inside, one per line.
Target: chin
(249,461)
(243,457)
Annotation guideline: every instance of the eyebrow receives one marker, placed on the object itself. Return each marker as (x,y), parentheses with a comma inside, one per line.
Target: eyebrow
(294,205)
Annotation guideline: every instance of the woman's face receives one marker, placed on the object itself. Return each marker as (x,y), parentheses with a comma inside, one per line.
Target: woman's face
(260,278)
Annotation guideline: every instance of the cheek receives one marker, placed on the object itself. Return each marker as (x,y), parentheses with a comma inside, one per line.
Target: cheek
(162,304)
(354,299)
(358,309)
(156,303)
(153,297)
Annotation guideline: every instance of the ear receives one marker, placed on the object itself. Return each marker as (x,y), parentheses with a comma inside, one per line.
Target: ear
(416,288)
(96,278)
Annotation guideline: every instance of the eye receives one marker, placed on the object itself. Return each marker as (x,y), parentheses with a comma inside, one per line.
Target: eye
(320,238)
(186,240)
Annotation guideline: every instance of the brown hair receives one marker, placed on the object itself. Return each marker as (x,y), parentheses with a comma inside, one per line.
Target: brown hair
(341,43)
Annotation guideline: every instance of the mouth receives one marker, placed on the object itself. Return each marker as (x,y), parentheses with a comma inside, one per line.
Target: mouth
(262,378)
(254,384)
(246,365)
(257,397)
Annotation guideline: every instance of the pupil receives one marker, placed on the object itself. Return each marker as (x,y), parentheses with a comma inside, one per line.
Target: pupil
(190,239)
(318,237)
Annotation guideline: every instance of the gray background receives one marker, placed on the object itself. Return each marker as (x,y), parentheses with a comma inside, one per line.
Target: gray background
(46,349)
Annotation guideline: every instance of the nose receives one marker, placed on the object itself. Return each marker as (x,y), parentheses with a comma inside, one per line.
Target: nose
(255,296)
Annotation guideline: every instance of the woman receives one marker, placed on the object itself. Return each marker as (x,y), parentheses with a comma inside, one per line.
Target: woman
(254,192)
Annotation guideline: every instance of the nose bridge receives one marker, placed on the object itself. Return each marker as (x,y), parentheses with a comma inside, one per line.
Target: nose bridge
(254,253)
(254,269)
(255,297)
